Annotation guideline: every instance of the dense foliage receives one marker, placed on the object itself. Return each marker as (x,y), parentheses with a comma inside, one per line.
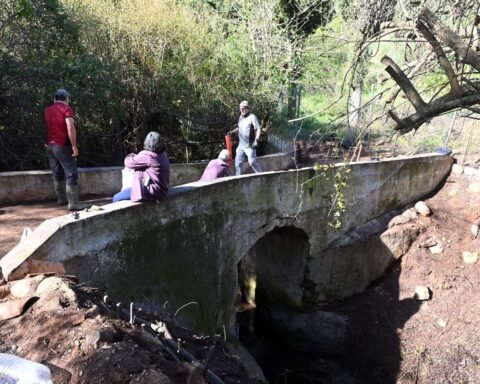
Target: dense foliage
(181,67)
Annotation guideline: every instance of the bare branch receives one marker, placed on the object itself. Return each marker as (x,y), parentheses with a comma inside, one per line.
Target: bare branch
(464,94)
(399,25)
(404,83)
(411,74)
(450,38)
(476,24)
(442,58)
(441,105)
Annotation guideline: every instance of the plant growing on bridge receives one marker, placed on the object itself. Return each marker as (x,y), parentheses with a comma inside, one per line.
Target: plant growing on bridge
(339,180)
(338,177)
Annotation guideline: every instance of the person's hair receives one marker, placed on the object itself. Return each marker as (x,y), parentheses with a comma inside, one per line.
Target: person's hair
(61,94)
(244,104)
(224,155)
(154,142)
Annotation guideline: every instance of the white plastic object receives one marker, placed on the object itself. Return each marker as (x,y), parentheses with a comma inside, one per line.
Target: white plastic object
(127,177)
(17,370)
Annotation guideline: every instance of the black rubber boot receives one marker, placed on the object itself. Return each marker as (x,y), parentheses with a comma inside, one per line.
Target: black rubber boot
(74,203)
(61,191)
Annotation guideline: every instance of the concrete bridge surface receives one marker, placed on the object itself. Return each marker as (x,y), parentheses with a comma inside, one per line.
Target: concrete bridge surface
(188,248)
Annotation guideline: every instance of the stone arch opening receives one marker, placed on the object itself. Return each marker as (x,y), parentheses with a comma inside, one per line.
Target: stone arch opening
(272,273)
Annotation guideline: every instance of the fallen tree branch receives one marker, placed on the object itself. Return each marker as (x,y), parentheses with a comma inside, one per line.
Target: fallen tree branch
(441,57)
(437,107)
(464,93)
(404,83)
(450,38)
(413,71)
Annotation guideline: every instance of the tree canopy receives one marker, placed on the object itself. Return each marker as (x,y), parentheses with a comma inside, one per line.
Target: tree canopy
(181,67)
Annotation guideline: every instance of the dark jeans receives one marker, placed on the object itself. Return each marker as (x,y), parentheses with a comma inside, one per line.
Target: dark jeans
(62,164)
(122,195)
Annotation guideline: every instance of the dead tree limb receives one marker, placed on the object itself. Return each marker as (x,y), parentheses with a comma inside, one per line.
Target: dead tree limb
(413,71)
(399,25)
(435,108)
(476,24)
(464,93)
(404,83)
(450,39)
(441,57)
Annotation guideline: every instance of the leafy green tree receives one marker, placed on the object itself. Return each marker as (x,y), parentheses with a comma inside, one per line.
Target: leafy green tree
(40,50)
(35,42)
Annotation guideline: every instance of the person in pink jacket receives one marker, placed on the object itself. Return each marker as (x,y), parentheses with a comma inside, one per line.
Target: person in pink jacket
(217,168)
(151,169)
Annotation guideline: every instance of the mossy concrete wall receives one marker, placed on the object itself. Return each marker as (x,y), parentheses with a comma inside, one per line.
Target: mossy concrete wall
(186,248)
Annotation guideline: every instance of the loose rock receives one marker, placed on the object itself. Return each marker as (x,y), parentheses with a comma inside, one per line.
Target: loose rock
(458,169)
(422,208)
(474,229)
(442,323)
(422,293)
(470,257)
(437,248)
(26,287)
(428,242)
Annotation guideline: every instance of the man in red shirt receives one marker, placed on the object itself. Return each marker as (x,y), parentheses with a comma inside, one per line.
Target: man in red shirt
(62,150)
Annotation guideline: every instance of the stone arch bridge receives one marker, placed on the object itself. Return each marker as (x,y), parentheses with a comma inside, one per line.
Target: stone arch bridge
(187,248)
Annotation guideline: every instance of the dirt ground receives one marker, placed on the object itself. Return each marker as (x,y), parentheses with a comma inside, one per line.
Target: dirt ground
(403,340)
(396,338)
(84,340)
(14,219)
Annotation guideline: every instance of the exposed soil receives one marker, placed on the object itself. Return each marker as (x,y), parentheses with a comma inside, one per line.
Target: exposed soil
(82,340)
(403,340)
(14,219)
(395,337)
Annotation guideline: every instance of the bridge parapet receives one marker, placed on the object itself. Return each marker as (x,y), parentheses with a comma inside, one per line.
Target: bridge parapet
(32,186)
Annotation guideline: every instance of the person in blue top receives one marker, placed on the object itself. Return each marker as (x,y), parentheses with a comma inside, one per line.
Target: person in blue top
(248,131)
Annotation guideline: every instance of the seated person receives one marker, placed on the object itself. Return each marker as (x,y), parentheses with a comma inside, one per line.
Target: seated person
(218,167)
(151,169)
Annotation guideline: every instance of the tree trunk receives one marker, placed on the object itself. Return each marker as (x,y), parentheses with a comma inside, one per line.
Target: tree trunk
(354,104)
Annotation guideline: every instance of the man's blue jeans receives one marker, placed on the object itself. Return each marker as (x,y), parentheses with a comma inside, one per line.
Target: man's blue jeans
(251,155)
(62,164)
